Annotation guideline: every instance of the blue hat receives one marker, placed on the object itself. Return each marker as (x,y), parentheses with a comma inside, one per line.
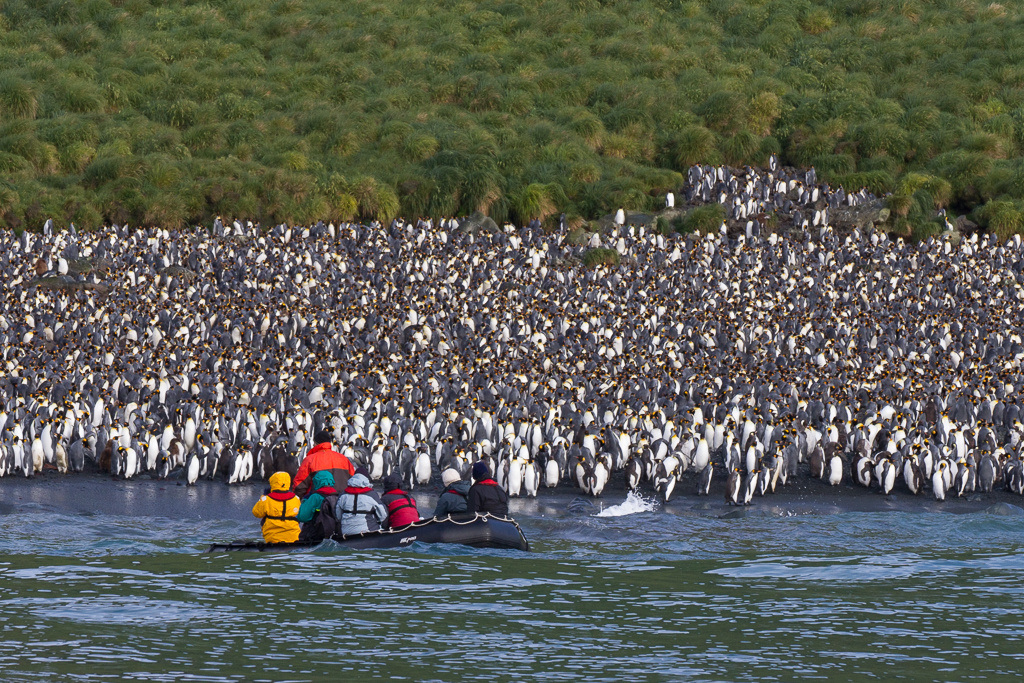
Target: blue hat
(480,470)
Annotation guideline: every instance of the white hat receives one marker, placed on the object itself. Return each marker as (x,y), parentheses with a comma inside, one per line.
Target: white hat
(450,476)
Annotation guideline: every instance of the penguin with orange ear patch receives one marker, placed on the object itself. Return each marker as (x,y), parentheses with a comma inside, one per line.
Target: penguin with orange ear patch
(939,481)
(704,486)
(732,487)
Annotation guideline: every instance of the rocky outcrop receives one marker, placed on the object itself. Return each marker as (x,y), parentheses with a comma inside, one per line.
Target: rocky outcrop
(862,217)
(477,222)
(67,284)
(179,272)
(647,220)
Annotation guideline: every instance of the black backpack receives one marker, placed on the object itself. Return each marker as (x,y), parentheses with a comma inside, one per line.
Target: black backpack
(324,524)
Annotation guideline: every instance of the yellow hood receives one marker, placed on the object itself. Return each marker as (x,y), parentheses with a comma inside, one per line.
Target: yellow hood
(280,481)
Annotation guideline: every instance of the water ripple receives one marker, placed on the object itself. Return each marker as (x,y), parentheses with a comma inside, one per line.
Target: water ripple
(647,596)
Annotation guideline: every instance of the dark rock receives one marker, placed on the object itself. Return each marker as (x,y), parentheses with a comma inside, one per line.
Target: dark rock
(477,222)
(578,237)
(67,284)
(606,223)
(88,265)
(1004,510)
(862,216)
(180,272)
(965,225)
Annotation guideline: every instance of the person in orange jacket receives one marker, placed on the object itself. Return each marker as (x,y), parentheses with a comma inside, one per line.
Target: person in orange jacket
(322,457)
(278,510)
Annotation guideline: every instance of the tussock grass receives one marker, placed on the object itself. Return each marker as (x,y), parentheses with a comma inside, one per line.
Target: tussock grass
(294,110)
(703,219)
(600,256)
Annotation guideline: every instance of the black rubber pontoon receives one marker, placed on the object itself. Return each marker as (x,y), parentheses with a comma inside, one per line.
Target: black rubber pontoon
(480,531)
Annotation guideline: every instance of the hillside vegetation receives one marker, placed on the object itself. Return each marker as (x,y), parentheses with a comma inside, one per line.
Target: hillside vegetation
(171,112)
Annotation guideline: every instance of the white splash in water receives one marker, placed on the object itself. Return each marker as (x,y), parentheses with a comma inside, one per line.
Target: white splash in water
(633,504)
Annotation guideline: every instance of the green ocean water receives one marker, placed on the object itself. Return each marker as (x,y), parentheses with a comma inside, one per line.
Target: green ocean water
(650,596)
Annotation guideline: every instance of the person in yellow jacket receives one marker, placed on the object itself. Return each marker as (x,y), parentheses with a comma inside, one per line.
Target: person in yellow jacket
(278,510)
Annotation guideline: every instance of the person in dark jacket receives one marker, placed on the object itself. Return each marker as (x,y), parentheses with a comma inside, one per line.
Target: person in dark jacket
(317,512)
(401,506)
(455,496)
(485,496)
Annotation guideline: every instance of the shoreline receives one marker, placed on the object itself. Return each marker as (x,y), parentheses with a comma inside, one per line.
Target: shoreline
(99,494)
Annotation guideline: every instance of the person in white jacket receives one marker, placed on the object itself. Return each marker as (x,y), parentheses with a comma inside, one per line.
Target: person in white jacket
(359,508)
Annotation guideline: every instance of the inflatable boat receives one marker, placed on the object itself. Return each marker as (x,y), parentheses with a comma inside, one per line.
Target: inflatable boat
(478,531)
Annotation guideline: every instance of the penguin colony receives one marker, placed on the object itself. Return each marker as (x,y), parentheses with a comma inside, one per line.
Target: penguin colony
(793,196)
(743,362)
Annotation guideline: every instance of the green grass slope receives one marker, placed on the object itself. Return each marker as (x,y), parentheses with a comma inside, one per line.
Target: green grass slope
(294,110)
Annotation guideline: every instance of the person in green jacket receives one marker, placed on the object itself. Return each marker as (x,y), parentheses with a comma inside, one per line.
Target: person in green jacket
(317,512)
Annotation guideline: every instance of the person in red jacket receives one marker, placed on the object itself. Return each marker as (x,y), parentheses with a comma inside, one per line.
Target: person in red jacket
(401,506)
(322,457)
